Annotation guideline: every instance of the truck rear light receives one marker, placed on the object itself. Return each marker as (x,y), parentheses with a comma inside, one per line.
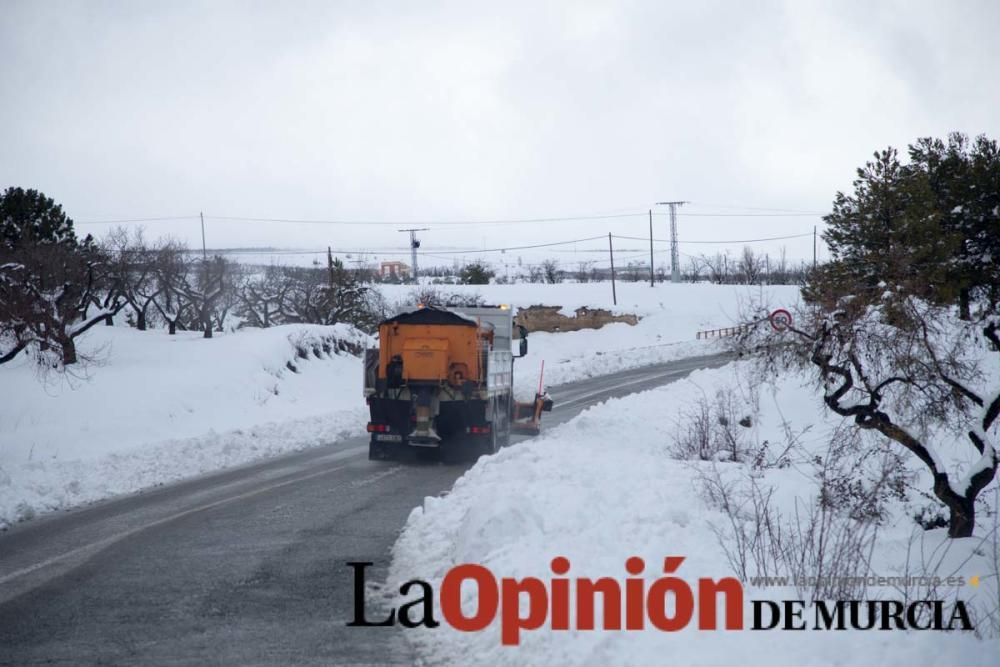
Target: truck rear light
(479,430)
(378,428)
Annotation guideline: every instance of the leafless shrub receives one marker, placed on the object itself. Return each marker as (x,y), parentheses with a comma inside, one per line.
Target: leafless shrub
(821,549)
(751,535)
(989,626)
(550,269)
(751,266)
(717,430)
(824,544)
(929,572)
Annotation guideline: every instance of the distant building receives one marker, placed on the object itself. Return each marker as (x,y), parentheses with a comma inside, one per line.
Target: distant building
(394,270)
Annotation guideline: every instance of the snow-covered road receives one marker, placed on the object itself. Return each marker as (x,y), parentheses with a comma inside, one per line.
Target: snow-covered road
(244,565)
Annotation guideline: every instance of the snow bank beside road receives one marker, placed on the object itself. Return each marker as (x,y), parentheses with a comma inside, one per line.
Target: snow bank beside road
(155,408)
(602,488)
(575,355)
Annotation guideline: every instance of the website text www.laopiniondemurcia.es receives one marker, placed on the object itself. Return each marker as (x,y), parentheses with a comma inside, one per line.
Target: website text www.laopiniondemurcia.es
(668,604)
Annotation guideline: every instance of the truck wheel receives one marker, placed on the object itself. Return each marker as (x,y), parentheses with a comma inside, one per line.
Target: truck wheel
(377,451)
(493,444)
(505,441)
(451,451)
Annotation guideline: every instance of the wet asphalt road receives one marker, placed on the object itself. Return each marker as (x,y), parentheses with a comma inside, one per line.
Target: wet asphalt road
(246,566)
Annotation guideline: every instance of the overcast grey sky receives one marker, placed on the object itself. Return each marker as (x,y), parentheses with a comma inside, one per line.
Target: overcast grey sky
(403,111)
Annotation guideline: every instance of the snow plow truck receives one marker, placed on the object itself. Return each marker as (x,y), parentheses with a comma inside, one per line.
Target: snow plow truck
(441,381)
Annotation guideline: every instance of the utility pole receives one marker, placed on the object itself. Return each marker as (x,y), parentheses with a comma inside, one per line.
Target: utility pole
(204,253)
(814,246)
(675,255)
(414,244)
(204,264)
(611,250)
(651,282)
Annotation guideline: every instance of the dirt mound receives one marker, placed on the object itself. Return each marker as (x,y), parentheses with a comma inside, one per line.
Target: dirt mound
(548,318)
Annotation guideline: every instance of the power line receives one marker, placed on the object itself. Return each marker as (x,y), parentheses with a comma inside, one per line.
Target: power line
(123,221)
(444,254)
(769,238)
(757,208)
(428,222)
(511,221)
(751,215)
(520,247)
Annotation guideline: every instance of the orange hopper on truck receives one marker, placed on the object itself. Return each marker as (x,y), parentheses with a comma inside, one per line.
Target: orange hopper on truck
(442,380)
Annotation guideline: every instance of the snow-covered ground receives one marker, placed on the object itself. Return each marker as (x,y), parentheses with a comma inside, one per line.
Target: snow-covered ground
(152,408)
(604,487)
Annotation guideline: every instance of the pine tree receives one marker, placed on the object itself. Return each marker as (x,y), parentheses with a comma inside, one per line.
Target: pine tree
(476,273)
(29,218)
(50,281)
(930,228)
(964,188)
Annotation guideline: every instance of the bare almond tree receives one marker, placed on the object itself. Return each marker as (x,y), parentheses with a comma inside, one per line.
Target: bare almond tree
(171,266)
(550,269)
(779,268)
(204,287)
(47,300)
(692,273)
(132,266)
(717,267)
(261,297)
(910,371)
(751,266)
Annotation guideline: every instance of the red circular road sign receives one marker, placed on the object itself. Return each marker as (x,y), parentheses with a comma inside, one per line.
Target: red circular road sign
(780,319)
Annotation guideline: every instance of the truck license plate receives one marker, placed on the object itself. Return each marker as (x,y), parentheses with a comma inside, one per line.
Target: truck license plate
(388,437)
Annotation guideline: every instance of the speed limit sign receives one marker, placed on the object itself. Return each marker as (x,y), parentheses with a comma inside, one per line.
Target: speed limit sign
(780,319)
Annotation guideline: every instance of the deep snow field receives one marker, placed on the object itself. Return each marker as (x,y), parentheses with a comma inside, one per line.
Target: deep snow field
(152,408)
(604,487)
